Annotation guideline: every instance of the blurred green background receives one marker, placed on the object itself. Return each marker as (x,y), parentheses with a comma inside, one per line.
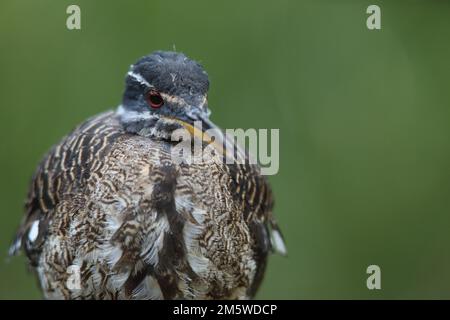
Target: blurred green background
(364,120)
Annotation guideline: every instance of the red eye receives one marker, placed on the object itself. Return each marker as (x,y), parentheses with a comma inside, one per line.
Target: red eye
(154,99)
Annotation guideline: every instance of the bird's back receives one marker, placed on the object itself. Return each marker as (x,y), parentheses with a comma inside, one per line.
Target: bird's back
(116,210)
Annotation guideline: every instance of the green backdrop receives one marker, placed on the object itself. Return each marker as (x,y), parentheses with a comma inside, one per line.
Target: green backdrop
(364,119)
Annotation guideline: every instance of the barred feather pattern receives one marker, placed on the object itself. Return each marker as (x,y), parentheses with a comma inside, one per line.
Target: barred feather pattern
(140,226)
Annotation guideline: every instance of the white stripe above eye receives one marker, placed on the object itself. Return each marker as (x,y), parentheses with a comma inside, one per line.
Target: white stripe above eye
(139,78)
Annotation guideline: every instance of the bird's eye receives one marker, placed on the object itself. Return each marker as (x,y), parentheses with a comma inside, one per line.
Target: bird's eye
(154,99)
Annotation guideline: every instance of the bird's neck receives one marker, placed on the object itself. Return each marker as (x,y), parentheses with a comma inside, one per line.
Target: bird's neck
(147,124)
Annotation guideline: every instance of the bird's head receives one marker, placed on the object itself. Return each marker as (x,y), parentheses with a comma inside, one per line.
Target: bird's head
(164,86)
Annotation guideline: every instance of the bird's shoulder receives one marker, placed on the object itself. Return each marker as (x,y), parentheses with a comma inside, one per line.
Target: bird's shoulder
(65,171)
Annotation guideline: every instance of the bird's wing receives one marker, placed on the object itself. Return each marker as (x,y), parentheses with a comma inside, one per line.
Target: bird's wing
(141,205)
(63,171)
(254,191)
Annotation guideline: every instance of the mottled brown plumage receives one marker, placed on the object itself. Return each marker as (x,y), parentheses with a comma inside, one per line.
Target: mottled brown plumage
(137,224)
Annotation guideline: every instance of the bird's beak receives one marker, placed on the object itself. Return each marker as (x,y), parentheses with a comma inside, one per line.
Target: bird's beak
(212,134)
(199,126)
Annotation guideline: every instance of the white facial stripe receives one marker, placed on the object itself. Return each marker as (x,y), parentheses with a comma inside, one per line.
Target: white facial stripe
(132,116)
(139,78)
(166,97)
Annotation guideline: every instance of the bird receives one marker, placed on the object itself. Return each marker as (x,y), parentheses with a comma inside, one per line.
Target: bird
(109,205)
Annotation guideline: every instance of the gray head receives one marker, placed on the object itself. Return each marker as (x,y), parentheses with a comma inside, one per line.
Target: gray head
(165,85)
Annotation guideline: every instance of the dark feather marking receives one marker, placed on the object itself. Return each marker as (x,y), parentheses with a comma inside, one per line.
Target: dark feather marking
(173,252)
